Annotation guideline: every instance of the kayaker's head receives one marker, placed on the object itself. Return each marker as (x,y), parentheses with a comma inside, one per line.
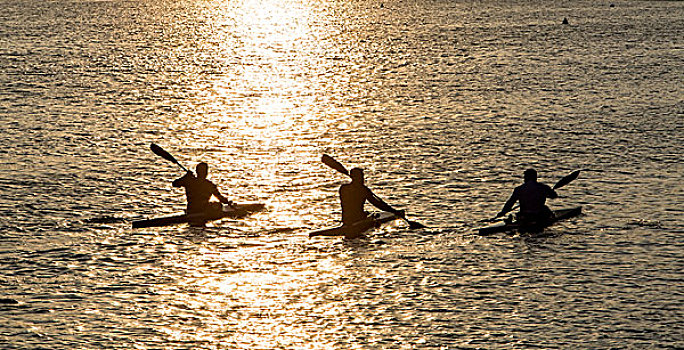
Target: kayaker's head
(530,175)
(356,175)
(202,170)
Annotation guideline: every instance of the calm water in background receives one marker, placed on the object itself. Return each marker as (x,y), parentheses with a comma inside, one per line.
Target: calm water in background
(444,103)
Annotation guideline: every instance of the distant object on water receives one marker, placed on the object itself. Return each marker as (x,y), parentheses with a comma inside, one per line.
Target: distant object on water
(565,20)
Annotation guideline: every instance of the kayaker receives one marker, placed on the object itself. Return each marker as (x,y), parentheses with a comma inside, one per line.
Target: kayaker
(199,190)
(354,195)
(532,197)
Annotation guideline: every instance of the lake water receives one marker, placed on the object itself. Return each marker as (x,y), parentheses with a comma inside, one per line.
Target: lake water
(443,103)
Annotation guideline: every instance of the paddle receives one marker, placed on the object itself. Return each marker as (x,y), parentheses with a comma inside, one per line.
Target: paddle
(562,182)
(166,155)
(331,162)
(566,179)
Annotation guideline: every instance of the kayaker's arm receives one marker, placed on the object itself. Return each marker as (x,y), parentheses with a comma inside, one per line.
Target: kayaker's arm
(509,204)
(380,204)
(220,197)
(183,180)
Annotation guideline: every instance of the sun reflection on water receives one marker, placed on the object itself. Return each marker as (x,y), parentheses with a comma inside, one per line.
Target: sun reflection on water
(265,97)
(223,299)
(257,116)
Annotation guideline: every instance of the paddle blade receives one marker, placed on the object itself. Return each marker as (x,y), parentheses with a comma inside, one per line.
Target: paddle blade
(162,153)
(331,162)
(496,218)
(166,155)
(566,180)
(413,225)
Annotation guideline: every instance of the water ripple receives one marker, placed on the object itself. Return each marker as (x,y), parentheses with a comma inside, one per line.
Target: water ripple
(443,104)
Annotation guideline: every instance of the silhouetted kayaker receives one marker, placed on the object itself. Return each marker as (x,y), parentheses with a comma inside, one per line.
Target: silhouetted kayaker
(355,194)
(532,197)
(199,190)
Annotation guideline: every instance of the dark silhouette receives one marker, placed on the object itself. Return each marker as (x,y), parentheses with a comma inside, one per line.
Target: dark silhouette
(532,197)
(355,194)
(565,21)
(331,162)
(199,191)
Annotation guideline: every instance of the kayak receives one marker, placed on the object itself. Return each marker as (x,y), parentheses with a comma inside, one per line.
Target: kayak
(558,215)
(357,229)
(235,211)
